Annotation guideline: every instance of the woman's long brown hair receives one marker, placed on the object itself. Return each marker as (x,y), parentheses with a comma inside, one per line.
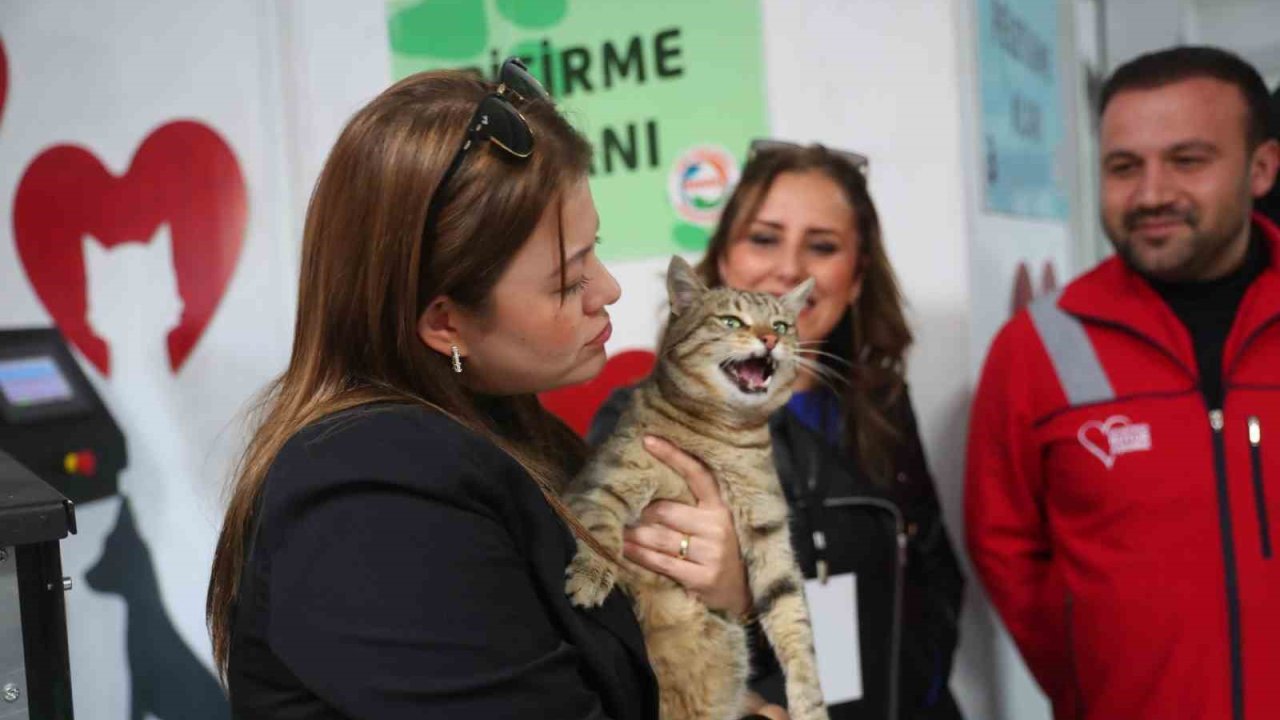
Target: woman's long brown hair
(365,272)
(872,338)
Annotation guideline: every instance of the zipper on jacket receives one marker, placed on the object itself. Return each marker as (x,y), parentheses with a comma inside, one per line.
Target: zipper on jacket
(1259,491)
(899,582)
(1216,423)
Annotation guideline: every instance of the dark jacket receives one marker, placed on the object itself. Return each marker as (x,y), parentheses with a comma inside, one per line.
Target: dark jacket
(908,603)
(406,568)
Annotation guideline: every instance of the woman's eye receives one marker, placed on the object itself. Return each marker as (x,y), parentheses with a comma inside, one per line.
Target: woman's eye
(824,248)
(731,322)
(577,287)
(781,327)
(761,239)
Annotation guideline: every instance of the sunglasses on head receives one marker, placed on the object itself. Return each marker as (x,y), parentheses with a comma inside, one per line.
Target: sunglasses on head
(761,146)
(497,121)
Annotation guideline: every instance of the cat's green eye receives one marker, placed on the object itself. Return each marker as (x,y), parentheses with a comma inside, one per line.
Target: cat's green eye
(781,327)
(732,322)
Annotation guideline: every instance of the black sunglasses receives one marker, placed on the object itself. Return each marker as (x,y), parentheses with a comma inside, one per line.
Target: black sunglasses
(497,121)
(759,146)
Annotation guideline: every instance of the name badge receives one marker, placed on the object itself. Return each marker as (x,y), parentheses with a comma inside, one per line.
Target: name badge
(833,610)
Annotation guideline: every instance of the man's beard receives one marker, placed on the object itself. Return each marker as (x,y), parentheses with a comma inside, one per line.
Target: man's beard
(1126,245)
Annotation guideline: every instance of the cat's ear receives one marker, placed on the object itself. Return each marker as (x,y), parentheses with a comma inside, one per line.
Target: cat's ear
(683,285)
(794,300)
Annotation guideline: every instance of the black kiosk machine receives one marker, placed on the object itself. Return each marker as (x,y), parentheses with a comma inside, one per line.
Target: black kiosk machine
(58,446)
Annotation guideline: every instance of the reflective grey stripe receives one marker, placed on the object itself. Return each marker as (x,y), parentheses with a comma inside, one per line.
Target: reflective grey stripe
(1074,359)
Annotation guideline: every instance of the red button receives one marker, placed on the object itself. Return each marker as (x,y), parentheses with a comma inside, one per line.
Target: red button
(83,462)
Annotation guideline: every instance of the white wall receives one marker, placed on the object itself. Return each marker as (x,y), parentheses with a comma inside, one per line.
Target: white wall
(103,78)
(1247,27)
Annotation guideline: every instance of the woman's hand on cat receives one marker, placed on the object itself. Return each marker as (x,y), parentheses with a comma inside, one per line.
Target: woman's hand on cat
(758,706)
(712,568)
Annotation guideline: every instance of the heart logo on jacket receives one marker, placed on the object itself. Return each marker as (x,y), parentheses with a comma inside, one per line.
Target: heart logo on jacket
(183,175)
(1113,437)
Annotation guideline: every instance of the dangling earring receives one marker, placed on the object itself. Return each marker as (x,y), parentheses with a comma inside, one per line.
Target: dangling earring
(457,360)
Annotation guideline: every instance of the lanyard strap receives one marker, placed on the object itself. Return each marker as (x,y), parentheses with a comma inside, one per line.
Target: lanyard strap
(807,500)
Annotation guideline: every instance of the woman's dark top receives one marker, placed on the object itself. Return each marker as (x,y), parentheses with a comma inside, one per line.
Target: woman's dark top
(908,602)
(405,567)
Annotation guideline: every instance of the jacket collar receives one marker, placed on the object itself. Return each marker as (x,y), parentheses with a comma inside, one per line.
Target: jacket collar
(1112,294)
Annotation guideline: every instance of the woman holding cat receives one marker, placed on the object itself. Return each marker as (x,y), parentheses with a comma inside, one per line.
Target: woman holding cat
(394,545)
(846,446)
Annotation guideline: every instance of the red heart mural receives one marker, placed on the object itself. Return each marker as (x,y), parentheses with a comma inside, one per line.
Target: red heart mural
(577,404)
(183,174)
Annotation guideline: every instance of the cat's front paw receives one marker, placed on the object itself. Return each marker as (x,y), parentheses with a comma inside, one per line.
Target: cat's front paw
(812,709)
(590,579)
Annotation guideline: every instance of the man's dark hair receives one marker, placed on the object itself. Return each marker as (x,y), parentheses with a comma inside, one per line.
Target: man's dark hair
(1165,67)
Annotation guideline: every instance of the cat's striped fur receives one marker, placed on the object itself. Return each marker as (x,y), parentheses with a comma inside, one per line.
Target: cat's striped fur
(701,658)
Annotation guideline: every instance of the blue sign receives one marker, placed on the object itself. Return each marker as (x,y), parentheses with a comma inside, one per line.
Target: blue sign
(1022,111)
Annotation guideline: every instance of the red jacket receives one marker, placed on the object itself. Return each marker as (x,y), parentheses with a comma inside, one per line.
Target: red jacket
(1126,533)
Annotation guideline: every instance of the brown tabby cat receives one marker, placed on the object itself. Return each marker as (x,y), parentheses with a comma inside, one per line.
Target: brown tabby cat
(725,364)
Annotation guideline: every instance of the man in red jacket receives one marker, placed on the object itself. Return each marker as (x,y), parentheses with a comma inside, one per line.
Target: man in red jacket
(1123,479)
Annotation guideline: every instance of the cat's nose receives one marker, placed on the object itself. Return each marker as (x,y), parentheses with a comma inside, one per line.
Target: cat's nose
(769,340)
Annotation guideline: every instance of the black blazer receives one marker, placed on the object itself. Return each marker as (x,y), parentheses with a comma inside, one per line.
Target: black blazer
(404,567)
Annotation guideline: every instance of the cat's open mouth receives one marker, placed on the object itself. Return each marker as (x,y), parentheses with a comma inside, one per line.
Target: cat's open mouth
(751,375)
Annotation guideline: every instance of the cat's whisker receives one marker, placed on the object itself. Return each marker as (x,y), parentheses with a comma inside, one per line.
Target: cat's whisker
(817,367)
(829,385)
(823,373)
(826,375)
(821,353)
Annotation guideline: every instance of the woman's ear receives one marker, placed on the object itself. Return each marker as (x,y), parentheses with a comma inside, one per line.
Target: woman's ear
(859,278)
(855,291)
(437,327)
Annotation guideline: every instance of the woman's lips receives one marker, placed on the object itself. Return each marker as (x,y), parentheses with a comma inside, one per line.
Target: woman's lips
(604,335)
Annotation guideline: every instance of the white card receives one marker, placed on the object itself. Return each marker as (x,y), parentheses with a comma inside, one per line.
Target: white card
(833,610)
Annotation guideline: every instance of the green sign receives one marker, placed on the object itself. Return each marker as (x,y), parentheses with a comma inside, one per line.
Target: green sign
(669,92)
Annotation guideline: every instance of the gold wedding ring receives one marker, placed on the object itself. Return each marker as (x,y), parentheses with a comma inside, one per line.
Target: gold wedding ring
(684,548)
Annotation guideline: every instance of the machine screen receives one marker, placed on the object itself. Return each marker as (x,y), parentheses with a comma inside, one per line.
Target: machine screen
(33,381)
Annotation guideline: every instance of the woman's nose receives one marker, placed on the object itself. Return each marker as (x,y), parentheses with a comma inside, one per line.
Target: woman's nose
(789,268)
(609,291)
